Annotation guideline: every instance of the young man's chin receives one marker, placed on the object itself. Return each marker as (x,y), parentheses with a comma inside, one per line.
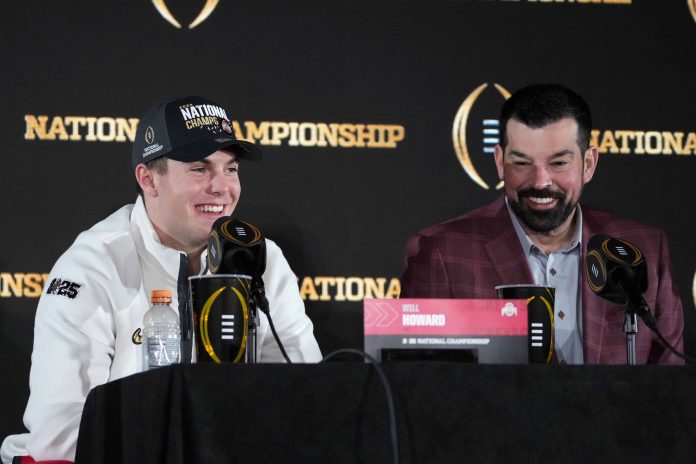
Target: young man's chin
(204,225)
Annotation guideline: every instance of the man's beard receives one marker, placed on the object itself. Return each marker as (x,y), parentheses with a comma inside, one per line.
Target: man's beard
(542,221)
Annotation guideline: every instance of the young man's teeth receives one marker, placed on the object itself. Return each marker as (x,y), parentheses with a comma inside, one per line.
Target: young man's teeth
(541,200)
(210,208)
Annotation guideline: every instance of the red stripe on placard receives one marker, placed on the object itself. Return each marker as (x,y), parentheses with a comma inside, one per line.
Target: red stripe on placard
(30,460)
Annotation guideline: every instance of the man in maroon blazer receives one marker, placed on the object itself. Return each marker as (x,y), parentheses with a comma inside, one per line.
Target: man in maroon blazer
(538,233)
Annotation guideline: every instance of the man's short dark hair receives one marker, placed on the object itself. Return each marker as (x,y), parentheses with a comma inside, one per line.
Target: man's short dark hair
(541,104)
(159,165)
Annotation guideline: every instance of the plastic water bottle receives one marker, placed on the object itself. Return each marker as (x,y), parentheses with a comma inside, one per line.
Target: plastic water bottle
(161,334)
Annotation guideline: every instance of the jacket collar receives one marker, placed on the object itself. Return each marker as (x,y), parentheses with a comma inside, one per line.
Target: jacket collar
(165,260)
(151,247)
(504,249)
(594,308)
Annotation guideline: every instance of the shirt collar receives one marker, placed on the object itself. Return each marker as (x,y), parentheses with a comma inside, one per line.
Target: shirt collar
(527,244)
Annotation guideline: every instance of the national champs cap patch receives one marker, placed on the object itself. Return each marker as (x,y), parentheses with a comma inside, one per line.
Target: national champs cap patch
(187,129)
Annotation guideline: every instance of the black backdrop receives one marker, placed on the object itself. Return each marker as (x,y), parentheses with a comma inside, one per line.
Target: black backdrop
(342,214)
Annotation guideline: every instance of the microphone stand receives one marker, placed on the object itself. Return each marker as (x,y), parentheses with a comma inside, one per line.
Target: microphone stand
(252,324)
(259,295)
(257,300)
(631,329)
(634,305)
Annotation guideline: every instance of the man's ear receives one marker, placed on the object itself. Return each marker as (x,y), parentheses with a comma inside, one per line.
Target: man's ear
(145,178)
(589,162)
(498,155)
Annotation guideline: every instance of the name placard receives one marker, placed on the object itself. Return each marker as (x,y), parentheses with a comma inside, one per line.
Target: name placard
(483,331)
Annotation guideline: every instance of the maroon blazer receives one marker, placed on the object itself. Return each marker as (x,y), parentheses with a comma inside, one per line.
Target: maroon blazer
(468,256)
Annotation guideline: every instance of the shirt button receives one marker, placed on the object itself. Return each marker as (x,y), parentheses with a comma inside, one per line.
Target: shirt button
(553,272)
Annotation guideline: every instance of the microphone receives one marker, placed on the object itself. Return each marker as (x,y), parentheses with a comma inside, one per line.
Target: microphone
(236,247)
(616,271)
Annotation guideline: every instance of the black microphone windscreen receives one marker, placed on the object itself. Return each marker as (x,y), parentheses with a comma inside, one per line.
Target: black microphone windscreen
(236,247)
(610,261)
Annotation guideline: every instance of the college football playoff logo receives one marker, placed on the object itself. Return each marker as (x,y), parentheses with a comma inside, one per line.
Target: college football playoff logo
(202,16)
(149,135)
(479,148)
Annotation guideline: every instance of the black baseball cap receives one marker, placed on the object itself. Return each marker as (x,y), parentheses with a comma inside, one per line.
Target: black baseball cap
(187,129)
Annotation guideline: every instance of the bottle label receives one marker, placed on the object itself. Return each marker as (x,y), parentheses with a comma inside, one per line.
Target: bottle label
(162,351)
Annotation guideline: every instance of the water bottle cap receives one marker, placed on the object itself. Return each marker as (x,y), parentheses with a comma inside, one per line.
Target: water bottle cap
(159,295)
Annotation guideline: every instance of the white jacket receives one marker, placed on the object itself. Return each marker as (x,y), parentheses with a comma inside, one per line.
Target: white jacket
(83,333)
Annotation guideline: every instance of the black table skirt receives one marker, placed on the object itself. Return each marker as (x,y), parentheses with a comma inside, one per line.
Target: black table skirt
(446,413)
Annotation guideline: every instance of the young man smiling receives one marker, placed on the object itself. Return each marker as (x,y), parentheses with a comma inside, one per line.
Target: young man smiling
(186,163)
(184,199)
(537,234)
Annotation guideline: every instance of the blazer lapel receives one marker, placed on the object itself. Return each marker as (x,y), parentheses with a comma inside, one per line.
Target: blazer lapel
(505,251)
(594,309)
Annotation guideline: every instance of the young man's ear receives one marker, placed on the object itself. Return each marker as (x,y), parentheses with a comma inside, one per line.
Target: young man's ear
(145,178)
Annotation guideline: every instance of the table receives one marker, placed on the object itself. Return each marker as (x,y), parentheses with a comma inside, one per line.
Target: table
(446,413)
